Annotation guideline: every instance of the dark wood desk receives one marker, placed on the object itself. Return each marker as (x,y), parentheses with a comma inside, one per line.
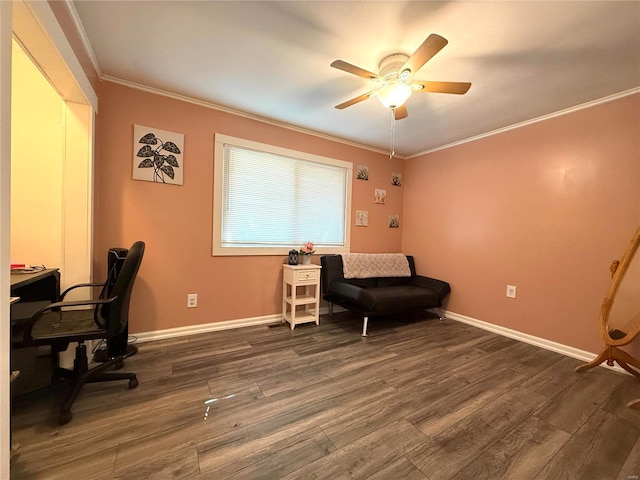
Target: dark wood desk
(34,363)
(33,287)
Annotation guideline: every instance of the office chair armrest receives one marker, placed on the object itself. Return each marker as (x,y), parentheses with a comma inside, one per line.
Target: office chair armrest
(28,326)
(79,285)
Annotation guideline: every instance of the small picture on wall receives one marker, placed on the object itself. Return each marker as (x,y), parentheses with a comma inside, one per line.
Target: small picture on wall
(396,179)
(362,218)
(362,172)
(380,195)
(394,221)
(157,155)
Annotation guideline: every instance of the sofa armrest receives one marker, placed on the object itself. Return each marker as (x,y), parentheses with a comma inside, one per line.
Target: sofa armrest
(441,288)
(352,294)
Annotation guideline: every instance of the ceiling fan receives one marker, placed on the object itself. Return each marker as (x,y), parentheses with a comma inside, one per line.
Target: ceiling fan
(395,77)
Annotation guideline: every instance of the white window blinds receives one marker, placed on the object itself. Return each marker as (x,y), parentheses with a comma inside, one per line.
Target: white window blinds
(275,201)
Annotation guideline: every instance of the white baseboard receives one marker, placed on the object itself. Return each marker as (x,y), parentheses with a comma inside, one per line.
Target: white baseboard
(531,339)
(211,327)
(206,327)
(269,319)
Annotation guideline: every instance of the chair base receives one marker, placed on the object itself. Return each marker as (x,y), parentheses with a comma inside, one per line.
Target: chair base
(102,355)
(81,374)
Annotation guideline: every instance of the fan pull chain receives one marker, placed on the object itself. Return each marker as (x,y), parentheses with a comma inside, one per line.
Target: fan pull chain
(392,148)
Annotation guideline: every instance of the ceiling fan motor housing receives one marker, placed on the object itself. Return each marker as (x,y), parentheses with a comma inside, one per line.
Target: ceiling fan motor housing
(395,79)
(390,66)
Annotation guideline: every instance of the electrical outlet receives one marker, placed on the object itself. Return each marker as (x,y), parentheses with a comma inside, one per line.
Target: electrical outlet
(511,291)
(192,300)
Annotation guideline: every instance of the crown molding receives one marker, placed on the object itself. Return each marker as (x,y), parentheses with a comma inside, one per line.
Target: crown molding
(89,50)
(83,36)
(549,116)
(240,113)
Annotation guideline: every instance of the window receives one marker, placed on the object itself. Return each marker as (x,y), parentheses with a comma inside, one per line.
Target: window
(268,200)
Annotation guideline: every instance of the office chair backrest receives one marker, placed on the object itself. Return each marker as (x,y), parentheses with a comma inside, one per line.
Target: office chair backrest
(116,314)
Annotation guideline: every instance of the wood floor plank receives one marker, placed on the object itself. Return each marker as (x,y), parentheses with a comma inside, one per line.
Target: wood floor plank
(82,465)
(400,469)
(439,415)
(307,407)
(271,456)
(616,404)
(631,468)
(176,461)
(574,405)
(494,343)
(356,420)
(366,456)
(450,450)
(419,398)
(203,346)
(521,454)
(553,379)
(93,432)
(597,451)
(409,369)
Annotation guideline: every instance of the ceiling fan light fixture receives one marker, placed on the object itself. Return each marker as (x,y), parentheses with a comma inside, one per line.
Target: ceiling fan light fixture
(395,78)
(393,95)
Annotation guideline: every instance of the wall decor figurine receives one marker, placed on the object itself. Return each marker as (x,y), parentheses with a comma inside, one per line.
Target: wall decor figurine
(362,218)
(157,155)
(362,172)
(394,221)
(380,195)
(396,179)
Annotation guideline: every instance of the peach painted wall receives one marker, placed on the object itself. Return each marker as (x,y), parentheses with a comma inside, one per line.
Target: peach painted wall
(176,221)
(545,207)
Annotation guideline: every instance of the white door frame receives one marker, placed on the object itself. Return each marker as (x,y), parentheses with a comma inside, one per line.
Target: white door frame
(36,18)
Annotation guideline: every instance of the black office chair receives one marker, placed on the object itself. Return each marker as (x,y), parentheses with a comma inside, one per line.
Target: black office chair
(55,325)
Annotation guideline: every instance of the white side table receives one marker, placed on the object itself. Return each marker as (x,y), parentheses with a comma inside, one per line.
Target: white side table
(301,294)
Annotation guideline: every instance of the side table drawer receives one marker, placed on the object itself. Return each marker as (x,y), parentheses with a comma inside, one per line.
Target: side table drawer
(307,276)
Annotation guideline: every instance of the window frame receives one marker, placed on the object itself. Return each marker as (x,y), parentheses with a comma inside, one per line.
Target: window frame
(218,201)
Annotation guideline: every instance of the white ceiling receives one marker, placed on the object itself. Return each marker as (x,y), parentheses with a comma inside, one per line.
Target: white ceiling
(525,59)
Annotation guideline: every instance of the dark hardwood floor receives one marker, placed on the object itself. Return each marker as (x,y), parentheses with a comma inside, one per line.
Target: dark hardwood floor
(419,398)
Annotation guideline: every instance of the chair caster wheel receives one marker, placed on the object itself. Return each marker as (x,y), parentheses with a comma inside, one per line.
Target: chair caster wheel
(133,383)
(65,417)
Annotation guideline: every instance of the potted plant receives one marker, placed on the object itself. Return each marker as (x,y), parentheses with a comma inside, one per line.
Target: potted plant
(306,251)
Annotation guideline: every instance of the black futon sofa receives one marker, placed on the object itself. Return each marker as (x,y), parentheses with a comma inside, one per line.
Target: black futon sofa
(380,295)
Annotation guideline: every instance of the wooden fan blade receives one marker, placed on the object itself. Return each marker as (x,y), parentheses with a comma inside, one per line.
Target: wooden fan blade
(400,112)
(353,101)
(361,72)
(459,88)
(432,45)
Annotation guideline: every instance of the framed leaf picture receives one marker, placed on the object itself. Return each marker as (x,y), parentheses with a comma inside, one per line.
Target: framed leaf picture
(157,155)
